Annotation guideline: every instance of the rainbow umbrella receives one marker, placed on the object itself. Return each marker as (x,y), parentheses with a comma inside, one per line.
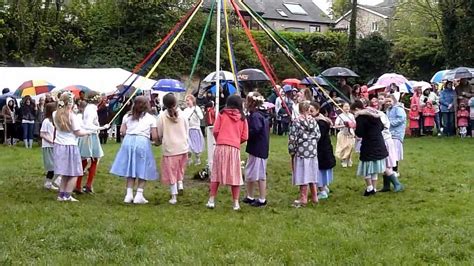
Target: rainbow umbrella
(76,89)
(33,88)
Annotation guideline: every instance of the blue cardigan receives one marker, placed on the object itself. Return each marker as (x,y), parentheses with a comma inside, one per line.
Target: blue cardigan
(259,134)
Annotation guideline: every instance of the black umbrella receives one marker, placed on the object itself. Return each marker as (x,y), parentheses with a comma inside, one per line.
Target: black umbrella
(310,81)
(458,73)
(252,74)
(339,72)
(371,82)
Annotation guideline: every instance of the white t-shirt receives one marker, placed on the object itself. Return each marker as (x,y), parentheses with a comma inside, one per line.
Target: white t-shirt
(141,127)
(193,115)
(48,129)
(90,119)
(68,137)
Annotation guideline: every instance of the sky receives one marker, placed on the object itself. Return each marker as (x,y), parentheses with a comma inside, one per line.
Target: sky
(324,4)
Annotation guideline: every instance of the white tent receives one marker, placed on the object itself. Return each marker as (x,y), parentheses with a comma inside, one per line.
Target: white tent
(98,79)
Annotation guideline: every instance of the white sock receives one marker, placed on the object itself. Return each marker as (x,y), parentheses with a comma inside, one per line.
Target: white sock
(180,185)
(139,192)
(262,200)
(236,203)
(130,191)
(370,188)
(174,189)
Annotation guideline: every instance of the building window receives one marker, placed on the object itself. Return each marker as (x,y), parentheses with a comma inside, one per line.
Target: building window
(281,12)
(295,8)
(375,26)
(314,28)
(294,29)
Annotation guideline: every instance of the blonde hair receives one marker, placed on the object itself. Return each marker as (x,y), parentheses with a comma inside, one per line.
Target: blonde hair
(192,98)
(304,106)
(254,100)
(62,118)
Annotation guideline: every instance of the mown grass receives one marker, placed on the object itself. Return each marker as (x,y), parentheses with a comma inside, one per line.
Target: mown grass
(432,222)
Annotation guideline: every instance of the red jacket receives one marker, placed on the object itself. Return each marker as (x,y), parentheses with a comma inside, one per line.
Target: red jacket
(429,115)
(230,129)
(414,117)
(463,117)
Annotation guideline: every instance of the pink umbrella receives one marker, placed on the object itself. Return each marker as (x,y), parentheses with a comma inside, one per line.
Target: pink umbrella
(391,78)
(268,105)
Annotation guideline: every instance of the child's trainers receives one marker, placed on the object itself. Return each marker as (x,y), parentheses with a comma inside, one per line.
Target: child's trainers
(210,205)
(140,200)
(323,195)
(128,199)
(236,207)
(248,200)
(71,199)
(173,201)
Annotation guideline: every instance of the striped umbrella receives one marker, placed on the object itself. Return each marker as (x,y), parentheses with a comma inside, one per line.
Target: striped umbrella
(34,87)
(76,89)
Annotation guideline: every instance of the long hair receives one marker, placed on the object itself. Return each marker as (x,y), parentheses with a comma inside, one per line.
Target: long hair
(140,107)
(62,119)
(235,102)
(49,109)
(170,102)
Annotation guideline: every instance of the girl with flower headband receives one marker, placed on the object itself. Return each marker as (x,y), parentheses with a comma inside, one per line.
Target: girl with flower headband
(257,148)
(66,152)
(89,146)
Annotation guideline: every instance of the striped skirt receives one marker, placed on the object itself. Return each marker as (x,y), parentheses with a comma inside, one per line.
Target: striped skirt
(255,169)
(226,166)
(368,168)
(305,171)
(196,140)
(391,160)
(67,160)
(173,168)
(89,146)
(399,149)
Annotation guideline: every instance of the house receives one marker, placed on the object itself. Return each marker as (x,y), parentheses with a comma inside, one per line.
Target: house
(288,15)
(370,19)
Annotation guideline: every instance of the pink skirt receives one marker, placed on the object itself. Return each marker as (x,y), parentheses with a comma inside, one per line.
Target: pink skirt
(173,168)
(226,166)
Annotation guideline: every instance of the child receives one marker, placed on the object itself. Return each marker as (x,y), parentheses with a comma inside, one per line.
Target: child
(230,131)
(471,115)
(257,148)
(429,118)
(345,138)
(326,159)
(414,124)
(66,153)
(373,150)
(463,120)
(47,133)
(302,146)
(173,131)
(135,159)
(210,113)
(89,146)
(194,116)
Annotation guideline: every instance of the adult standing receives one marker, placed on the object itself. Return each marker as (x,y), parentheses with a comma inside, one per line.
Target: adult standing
(345,89)
(283,118)
(447,100)
(9,116)
(103,114)
(28,116)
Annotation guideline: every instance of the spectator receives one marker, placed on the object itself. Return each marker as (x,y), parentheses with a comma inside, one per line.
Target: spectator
(447,100)
(28,115)
(8,114)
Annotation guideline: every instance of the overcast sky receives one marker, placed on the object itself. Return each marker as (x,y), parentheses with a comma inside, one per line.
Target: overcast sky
(324,4)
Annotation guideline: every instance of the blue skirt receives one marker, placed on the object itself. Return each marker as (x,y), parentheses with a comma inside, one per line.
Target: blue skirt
(325,177)
(48,159)
(135,159)
(367,168)
(196,140)
(89,146)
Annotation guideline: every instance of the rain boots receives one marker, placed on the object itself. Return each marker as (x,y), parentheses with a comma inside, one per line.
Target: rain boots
(386,184)
(396,184)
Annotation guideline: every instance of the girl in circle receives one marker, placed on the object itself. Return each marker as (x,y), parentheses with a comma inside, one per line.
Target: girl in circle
(194,115)
(345,138)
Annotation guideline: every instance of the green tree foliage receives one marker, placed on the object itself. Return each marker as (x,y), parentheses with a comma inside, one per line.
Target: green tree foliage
(352,46)
(418,18)
(373,56)
(340,7)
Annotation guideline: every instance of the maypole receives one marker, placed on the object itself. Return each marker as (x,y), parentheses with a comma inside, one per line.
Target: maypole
(218,55)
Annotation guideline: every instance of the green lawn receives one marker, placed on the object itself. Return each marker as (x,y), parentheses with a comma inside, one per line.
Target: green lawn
(432,222)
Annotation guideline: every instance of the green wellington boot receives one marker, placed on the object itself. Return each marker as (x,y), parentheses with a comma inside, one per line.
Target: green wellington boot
(396,184)
(386,184)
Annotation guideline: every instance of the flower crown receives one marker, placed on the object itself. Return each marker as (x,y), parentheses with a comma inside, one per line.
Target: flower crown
(96,98)
(70,99)
(258,99)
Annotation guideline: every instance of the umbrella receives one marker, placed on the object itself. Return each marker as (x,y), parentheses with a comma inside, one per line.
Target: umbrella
(391,78)
(268,105)
(422,84)
(34,87)
(169,85)
(339,72)
(371,82)
(76,89)
(311,80)
(252,74)
(376,87)
(121,88)
(458,73)
(223,75)
(438,77)
(292,82)
(229,86)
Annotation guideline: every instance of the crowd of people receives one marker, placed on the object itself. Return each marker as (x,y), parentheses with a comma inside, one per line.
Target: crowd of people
(72,133)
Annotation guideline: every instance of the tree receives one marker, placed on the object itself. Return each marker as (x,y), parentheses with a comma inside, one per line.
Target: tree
(418,18)
(373,56)
(340,7)
(352,45)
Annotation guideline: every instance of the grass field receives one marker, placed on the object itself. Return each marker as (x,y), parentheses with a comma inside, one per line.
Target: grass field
(432,222)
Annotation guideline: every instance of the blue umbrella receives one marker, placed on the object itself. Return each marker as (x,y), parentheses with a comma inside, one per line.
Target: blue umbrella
(169,85)
(229,86)
(438,77)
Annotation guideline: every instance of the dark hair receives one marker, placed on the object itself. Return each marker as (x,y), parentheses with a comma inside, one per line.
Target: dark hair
(140,107)
(315,105)
(25,99)
(169,101)
(357,105)
(235,102)
(49,108)
(333,92)
(355,88)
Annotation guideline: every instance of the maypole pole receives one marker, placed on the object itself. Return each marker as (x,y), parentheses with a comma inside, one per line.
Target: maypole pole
(218,55)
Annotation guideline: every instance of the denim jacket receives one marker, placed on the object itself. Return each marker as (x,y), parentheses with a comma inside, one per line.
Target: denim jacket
(398,118)
(447,97)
